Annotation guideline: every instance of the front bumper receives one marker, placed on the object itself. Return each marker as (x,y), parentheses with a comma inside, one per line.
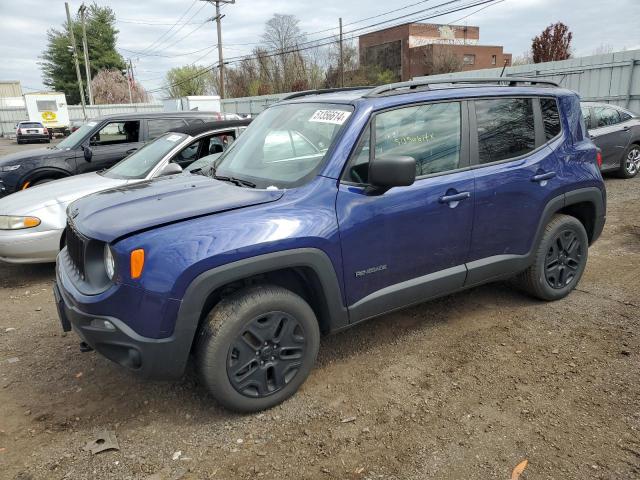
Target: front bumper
(160,358)
(25,246)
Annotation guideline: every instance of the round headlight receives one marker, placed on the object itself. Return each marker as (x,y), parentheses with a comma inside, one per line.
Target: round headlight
(109,262)
(17,223)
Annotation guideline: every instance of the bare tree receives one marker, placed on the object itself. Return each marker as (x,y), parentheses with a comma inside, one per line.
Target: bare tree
(524,59)
(111,87)
(440,59)
(283,36)
(602,49)
(554,43)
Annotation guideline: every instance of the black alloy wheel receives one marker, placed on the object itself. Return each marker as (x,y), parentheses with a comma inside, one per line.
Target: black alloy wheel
(564,259)
(267,355)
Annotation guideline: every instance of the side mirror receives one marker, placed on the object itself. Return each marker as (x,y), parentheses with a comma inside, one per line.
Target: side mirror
(170,169)
(88,153)
(386,172)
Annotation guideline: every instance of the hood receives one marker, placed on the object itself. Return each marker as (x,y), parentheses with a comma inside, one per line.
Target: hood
(16,157)
(63,191)
(112,214)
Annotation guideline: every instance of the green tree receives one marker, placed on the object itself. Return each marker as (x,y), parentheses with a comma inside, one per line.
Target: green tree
(188,80)
(58,69)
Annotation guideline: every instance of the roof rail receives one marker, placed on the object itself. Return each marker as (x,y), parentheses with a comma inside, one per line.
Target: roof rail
(400,87)
(322,90)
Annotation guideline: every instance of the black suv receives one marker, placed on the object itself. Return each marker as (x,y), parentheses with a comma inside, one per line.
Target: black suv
(96,145)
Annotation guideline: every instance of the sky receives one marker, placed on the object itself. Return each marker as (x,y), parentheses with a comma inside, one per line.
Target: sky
(147,31)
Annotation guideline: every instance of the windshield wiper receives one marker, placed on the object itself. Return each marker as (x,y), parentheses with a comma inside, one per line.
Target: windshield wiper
(237,181)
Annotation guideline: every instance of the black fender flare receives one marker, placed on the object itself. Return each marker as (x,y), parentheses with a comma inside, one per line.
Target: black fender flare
(43,172)
(196,295)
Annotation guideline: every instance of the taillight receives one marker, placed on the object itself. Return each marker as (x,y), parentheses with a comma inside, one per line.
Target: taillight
(19,132)
(599,158)
(45,130)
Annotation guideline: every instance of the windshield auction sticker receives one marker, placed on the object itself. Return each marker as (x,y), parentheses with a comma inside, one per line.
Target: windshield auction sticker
(173,138)
(337,117)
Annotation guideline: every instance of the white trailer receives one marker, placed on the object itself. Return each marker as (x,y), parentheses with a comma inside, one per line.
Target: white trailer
(48,108)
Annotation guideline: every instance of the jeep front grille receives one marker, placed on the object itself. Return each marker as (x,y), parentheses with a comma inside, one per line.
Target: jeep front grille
(76,246)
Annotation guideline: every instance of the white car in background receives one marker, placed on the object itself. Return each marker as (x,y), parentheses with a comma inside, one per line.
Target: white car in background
(32,132)
(32,221)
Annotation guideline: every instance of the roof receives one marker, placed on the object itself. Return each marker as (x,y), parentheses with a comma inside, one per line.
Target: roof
(391,95)
(194,130)
(197,114)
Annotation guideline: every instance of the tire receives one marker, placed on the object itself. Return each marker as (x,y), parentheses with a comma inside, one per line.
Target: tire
(630,162)
(541,279)
(40,181)
(249,371)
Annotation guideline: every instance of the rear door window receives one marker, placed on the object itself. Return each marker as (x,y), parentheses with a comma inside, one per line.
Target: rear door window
(114,133)
(550,117)
(506,128)
(158,126)
(586,114)
(605,116)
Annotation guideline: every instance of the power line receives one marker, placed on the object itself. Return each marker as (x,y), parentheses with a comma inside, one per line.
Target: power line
(298,49)
(168,56)
(164,37)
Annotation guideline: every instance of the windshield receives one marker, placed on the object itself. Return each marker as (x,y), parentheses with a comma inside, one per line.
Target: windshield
(76,137)
(285,145)
(142,162)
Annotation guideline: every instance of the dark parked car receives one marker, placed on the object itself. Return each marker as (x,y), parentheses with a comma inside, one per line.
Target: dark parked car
(96,145)
(332,208)
(616,132)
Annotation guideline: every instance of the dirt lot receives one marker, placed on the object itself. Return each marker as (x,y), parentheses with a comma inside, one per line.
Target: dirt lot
(464,387)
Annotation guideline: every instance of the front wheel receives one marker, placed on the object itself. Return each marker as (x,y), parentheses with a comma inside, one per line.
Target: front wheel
(630,162)
(256,347)
(560,259)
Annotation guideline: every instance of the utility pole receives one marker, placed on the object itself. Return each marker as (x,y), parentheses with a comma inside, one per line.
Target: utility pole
(218,17)
(85,47)
(341,57)
(130,79)
(75,58)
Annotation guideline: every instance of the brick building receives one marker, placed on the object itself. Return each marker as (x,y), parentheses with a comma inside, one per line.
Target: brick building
(416,49)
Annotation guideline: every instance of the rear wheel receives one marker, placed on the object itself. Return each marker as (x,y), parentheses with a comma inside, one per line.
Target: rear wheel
(256,347)
(560,260)
(630,162)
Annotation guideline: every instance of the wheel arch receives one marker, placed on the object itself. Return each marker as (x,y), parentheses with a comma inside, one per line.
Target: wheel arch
(307,272)
(40,173)
(588,206)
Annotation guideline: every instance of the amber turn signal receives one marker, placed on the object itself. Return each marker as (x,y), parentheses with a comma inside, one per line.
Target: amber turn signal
(137,263)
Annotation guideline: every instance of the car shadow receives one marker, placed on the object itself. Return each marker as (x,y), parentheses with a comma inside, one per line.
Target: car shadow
(20,276)
(110,394)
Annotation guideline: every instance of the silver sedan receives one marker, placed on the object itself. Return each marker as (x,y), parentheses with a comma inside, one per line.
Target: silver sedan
(32,221)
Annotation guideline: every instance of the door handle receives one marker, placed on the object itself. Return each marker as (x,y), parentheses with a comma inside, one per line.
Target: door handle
(131,150)
(626,129)
(456,197)
(541,177)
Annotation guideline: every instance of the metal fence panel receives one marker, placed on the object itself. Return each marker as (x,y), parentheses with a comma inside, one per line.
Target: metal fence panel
(250,105)
(611,77)
(9,116)
(94,111)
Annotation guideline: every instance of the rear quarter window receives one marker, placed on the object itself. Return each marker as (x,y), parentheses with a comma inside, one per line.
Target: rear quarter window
(550,117)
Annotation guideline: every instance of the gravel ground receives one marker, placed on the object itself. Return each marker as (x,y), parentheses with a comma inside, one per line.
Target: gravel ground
(467,386)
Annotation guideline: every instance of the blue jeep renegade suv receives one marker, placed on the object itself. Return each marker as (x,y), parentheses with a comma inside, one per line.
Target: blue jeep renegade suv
(334,207)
